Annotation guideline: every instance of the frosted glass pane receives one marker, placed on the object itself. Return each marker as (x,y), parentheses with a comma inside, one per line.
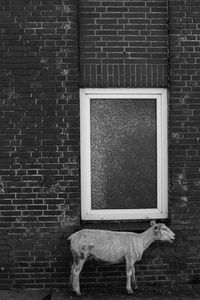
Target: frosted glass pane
(123,153)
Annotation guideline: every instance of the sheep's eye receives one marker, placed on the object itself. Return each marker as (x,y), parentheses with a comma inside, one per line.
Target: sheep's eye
(156,228)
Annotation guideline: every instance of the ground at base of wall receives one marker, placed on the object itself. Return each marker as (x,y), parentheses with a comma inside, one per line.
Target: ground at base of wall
(182,293)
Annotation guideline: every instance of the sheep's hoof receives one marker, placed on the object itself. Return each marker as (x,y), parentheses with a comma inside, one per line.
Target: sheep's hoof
(136,287)
(130,292)
(77,293)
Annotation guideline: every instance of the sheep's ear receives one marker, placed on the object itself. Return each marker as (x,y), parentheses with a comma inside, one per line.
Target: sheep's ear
(153,223)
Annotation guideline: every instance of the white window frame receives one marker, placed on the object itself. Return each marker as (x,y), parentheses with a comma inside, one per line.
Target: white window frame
(162,153)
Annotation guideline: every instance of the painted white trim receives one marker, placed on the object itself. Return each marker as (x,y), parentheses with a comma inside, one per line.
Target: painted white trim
(162,154)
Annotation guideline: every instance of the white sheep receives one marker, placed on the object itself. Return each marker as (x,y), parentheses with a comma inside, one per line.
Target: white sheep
(113,247)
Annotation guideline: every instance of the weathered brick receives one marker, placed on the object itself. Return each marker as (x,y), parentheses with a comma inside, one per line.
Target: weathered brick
(33,81)
(106,24)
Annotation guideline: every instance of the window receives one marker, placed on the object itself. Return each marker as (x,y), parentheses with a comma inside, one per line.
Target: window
(124,167)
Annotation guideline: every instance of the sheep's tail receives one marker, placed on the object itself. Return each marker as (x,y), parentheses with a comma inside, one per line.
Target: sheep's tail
(71,236)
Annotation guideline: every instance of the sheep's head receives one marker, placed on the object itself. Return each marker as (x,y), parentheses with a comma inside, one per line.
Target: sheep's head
(163,233)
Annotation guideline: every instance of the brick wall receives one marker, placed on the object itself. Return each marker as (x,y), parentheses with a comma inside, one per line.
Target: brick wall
(184,134)
(121,44)
(39,140)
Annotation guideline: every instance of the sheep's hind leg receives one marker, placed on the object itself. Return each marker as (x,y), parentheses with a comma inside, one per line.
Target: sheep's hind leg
(128,276)
(75,272)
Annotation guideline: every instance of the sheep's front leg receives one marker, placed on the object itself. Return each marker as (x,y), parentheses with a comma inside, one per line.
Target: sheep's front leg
(128,276)
(134,283)
(75,272)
